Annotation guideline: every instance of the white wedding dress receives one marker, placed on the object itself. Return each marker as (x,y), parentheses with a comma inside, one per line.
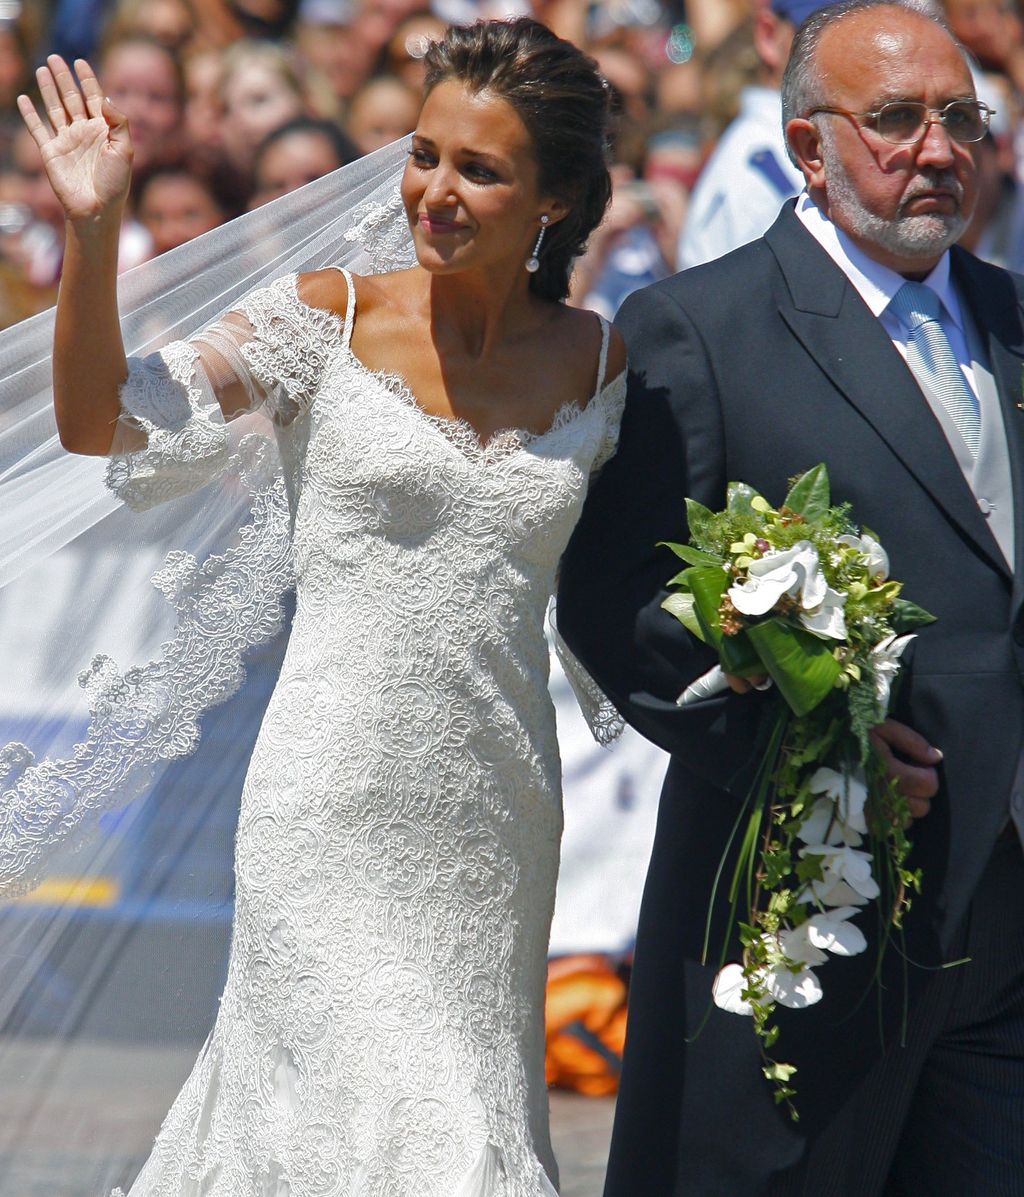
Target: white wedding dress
(381,1031)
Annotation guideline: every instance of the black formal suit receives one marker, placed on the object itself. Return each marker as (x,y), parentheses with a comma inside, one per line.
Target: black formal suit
(756,367)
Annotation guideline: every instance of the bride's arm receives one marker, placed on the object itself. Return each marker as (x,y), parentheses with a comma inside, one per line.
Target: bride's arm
(87,153)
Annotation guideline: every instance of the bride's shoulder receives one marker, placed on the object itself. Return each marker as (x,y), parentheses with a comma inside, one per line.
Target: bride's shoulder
(329,289)
(580,331)
(325,289)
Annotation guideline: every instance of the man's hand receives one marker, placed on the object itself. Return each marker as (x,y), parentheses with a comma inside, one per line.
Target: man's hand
(742,684)
(913,769)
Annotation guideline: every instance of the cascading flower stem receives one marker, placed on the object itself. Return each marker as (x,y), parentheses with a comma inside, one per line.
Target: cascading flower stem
(801,596)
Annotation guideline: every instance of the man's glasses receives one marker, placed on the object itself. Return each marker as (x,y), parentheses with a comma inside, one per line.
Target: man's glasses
(902,122)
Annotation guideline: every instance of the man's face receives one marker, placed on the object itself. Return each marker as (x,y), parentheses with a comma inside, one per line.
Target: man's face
(903,204)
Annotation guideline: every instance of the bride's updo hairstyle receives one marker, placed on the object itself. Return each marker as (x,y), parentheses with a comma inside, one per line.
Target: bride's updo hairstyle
(561,98)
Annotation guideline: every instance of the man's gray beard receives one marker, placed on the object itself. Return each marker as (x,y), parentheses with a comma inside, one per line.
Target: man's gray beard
(921,236)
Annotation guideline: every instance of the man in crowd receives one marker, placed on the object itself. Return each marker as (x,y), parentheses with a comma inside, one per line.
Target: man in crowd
(749,175)
(854,332)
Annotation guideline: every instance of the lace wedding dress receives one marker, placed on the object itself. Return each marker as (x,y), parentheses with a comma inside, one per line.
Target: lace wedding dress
(381,1032)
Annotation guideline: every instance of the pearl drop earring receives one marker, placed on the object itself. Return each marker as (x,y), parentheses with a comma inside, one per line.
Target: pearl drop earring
(533,261)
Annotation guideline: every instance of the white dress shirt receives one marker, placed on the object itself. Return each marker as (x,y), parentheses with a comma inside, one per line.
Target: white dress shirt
(877,285)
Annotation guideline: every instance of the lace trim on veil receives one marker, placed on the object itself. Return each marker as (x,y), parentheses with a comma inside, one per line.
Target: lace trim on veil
(151,713)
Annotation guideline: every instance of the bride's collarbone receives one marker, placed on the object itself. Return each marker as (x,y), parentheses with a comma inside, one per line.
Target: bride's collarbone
(522,384)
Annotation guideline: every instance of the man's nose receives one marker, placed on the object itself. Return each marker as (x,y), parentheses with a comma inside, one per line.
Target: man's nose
(936,146)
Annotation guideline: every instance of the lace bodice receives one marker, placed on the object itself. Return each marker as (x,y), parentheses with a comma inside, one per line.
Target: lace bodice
(381,1032)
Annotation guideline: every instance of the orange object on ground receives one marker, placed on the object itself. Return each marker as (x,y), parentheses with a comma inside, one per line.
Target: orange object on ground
(585,1010)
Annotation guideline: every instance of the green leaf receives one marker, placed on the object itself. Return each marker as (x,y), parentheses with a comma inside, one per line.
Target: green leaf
(739,499)
(801,665)
(736,654)
(682,607)
(778,1071)
(810,494)
(700,520)
(905,616)
(707,585)
(691,555)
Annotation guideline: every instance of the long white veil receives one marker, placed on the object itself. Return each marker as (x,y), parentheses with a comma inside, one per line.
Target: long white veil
(115,690)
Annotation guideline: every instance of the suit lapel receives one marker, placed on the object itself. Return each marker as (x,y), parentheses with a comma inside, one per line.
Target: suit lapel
(996,307)
(837,329)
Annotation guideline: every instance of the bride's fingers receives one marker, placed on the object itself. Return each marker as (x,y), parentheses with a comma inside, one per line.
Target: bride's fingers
(40,133)
(90,87)
(67,86)
(52,102)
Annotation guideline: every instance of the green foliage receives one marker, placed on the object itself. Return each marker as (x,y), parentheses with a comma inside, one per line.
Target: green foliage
(809,494)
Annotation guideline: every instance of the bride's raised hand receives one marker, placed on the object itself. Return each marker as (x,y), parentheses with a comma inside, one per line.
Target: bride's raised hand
(83,139)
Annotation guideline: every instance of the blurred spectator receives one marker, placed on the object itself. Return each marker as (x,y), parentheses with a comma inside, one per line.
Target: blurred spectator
(38,246)
(749,174)
(294,155)
(174,205)
(260,91)
(624,253)
(329,42)
(404,53)
(378,20)
(15,72)
(204,109)
(172,23)
(144,80)
(991,29)
(270,19)
(382,111)
(75,27)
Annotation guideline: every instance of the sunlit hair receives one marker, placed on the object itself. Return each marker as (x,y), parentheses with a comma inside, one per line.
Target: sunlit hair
(562,100)
(802,86)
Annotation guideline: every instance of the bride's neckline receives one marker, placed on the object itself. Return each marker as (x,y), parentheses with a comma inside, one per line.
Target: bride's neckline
(462,433)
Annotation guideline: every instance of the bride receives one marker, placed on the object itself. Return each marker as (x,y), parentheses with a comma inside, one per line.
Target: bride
(381,1030)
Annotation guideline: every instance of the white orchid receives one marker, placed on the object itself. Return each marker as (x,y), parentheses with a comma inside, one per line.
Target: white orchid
(877,559)
(728,988)
(846,876)
(827,619)
(885,657)
(797,945)
(797,990)
(838,816)
(795,572)
(831,931)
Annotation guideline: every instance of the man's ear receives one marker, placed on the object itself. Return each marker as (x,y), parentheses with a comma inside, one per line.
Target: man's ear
(805,142)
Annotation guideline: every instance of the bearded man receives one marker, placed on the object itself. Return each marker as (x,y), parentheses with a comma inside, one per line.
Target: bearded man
(854,332)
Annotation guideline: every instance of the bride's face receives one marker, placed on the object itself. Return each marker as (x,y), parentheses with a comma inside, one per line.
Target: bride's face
(470,186)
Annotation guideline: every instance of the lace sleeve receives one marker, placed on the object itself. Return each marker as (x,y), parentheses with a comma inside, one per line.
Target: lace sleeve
(172,436)
(604,721)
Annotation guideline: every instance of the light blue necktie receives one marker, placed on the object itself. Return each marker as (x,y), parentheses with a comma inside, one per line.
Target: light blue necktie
(931,358)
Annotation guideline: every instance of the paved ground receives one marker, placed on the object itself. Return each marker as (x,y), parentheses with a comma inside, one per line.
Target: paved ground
(580,1129)
(62,1116)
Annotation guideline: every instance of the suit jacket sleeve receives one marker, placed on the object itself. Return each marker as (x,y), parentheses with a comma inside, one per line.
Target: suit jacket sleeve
(613,574)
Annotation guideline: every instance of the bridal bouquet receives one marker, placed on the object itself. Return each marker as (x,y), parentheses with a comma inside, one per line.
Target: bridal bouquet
(801,596)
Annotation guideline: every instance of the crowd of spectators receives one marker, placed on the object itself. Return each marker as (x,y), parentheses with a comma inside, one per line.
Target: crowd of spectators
(233,103)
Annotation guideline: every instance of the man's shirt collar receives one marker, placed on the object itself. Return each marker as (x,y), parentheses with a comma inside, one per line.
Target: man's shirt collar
(874,283)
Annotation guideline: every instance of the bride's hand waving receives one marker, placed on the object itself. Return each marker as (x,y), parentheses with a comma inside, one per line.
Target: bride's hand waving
(84,141)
